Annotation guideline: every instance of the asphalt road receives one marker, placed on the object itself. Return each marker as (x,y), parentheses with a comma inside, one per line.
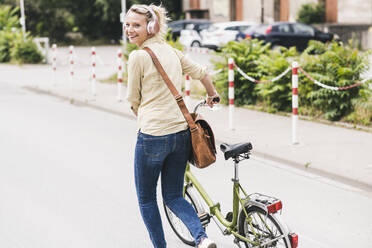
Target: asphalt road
(66,180)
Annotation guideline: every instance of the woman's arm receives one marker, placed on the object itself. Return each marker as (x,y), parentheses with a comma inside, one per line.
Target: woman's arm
(196,71)
(211,91)
(134,80)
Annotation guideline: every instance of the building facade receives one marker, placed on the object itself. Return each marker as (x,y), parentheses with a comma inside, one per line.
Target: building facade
(267,11)
(346,18)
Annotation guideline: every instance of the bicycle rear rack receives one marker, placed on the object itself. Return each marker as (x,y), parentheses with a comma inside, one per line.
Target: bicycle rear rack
(268,203)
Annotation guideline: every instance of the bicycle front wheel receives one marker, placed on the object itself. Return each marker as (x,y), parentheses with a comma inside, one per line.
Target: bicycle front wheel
(262,229)
(177,225)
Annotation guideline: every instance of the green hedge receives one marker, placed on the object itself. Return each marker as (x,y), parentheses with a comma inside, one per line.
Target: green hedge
(14,46)
(337,65)
(333,64)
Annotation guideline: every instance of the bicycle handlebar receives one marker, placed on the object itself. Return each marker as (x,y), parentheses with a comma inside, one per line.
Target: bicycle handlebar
(204,102)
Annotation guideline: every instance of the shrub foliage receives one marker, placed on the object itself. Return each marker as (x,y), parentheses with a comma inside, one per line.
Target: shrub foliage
(14,46)
(332,64)
(339,66)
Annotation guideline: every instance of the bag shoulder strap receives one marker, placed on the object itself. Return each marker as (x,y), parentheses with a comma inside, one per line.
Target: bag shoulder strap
(172,89)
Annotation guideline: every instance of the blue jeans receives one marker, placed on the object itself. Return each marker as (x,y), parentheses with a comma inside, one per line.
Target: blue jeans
(166,155)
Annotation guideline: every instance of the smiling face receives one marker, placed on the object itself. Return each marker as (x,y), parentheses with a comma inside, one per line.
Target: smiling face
(136,28)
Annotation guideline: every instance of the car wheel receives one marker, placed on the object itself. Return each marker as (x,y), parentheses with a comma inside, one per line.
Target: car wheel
(195,44)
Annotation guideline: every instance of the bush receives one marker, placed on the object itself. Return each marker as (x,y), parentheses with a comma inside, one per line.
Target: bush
(246,55)
(25,51)
(311,13)
(8,18)
(338,66)
(13,45)
(332,64)
(277,95)
(8,31)
(6,39)
(14,48)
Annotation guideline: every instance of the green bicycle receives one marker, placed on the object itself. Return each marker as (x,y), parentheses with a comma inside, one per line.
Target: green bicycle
(255,218)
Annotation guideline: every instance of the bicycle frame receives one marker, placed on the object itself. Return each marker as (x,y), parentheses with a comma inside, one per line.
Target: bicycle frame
(215,210)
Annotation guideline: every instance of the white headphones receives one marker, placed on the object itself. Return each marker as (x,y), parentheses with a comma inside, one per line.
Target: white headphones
(153,24)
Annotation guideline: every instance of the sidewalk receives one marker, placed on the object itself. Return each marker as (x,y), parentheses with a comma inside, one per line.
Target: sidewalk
(339,153)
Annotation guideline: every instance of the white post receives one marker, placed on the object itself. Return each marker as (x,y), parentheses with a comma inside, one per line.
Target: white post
(120,75)
(93,83)
(54,62)
(71,62)
(294,102)
(46,47)
(187,91)
(23,18)
(231,93)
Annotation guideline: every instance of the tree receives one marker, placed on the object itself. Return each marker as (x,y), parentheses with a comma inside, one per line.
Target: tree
(46,18)
(312,13)
(174,7)
(95,19)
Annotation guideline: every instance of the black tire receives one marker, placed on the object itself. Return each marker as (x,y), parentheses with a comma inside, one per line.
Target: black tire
(267,232)
(195,44)
(177,225)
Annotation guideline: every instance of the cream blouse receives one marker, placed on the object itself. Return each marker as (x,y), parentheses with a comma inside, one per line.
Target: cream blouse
(157,110)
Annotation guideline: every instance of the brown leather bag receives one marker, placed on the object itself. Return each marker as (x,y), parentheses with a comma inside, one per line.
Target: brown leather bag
(202,139)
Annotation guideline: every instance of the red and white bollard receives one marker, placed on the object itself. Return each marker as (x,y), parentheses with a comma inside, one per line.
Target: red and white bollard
(187,90)
(93,83)
(71,63)
(54,62)
(120,75)
(294,101)
(231,93)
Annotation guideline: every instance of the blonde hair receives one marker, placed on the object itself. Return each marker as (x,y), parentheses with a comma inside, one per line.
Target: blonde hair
(160,12)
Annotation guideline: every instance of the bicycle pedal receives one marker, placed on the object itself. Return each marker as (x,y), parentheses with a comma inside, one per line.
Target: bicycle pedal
(204,218)
(229,216)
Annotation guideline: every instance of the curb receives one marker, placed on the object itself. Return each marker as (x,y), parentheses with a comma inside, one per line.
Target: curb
(78,102)
(260,154)
(302,167)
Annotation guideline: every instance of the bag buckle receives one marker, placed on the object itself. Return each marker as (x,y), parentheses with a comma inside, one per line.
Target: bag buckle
(194,129)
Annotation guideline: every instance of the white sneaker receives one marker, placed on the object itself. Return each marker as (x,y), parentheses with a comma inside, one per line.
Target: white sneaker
(207,243)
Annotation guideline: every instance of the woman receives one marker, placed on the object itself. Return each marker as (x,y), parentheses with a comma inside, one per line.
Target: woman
(163,142)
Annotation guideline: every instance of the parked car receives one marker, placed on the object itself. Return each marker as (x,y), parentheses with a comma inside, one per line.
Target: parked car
(285,34)
(218,34)
(194,24)
(190,36)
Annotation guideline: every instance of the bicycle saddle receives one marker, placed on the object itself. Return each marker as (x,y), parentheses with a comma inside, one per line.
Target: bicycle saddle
(235,150)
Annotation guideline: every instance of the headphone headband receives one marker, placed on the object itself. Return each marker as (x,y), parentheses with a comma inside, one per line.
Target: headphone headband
(153,15)
(153,25)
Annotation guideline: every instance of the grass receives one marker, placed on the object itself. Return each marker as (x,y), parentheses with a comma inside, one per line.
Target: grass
(362,114)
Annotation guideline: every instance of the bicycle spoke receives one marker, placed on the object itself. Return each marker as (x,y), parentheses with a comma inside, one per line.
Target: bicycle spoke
(178,224)
(262,231)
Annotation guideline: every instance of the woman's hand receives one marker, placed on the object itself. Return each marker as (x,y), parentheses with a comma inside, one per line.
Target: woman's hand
(212,95)
(214,99)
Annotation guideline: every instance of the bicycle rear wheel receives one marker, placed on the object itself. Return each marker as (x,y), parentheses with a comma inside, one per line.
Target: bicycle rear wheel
(177,225)
(263,229)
